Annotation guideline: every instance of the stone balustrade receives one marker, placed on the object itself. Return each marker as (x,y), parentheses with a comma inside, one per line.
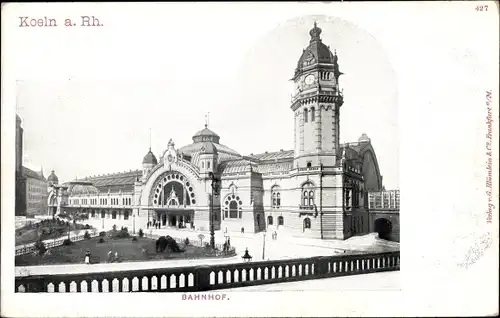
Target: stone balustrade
(211,277)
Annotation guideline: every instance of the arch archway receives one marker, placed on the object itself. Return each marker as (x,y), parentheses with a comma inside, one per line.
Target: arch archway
(172,189)
(383,227)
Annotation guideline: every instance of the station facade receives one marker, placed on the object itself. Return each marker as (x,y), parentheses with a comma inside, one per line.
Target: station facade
(319,189)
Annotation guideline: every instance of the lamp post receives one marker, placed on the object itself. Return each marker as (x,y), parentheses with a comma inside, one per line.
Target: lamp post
(133,217)
(264,246)
(215,191)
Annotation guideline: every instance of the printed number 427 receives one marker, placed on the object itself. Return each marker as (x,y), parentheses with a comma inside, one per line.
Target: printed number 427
(482,8)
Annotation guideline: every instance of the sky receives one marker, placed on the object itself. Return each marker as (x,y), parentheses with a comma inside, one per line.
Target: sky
(95,114)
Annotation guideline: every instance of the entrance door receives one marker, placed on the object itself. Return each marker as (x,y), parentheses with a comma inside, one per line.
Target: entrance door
(163,219)
(173,220)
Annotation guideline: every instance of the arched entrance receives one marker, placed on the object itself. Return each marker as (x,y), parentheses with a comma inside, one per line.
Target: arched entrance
(172,200)
(383,227)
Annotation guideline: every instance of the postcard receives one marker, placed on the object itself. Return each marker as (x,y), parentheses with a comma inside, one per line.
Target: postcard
(249,159)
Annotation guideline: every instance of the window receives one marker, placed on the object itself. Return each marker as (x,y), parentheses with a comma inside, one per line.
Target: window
(233,207)
(312,114)
(203,164)
(125,215)
(281,221)
(208,164)
(233,210)
(308,195)
(103,214)
(113,215)
(309,164)
(305,115)
(269,220)
(275,197)
(307,223)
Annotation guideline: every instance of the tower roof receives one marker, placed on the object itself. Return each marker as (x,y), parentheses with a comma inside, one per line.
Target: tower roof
(53,178)
(206,135)
(150,158)
(316,51)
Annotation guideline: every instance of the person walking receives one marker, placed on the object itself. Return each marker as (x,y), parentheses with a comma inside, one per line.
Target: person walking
(87,257)
(116,256)
(110,256)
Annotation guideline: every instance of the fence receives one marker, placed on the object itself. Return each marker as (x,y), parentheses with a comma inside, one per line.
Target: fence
(211,277)
(30,248)
(219,248)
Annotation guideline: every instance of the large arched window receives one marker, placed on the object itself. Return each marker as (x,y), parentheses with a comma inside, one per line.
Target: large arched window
(233,207)
(308,195)
(281,221)
(113,215)
(269,220)
(307,223)
(125,215)
(312,114)
(103,214)
(305,115)
(276,197)
(92,214)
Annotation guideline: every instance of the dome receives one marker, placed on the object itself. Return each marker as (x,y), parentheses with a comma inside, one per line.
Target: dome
(364,138)
(150,158)
(53,178)
(206,135)
(316,52)
(81,188)
(207,148)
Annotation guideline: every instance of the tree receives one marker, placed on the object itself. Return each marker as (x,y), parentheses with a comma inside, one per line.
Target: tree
(201,237)
(141,233)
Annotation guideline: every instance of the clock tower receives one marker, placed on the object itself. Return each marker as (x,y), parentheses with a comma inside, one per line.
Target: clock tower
(316,104)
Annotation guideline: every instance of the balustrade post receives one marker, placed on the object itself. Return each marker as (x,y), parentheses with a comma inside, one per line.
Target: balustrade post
(202,278)
(320,267)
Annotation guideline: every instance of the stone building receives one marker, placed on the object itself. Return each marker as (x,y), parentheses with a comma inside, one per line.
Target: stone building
(319,189)
(20,188)
(36,192)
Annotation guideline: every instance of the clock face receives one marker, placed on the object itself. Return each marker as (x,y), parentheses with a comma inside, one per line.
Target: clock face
(309,79)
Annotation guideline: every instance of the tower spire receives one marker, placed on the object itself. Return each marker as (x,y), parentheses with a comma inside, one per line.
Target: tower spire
(149,139)
(207,119)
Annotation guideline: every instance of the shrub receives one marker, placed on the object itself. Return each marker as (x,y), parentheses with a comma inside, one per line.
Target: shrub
(67,242)
(102,233)
(40,247)
(123,233)
(86,226)
(167,242)
(134,238)
(101,240)
(141,233)
(186,241)
(86,235)
(207,245)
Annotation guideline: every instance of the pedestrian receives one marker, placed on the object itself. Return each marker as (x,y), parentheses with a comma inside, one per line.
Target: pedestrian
(275,235)
(116,256)
(228,242)
(242,230)
(110,256)
(87,257)
(147,225)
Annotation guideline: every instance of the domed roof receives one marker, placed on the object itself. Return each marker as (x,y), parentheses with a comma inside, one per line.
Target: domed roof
(82,188)
(364,138)
(207,148)
(150,158)
(206,135)
(53,178)
(316,52)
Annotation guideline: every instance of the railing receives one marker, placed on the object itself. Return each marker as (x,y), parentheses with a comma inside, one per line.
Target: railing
(211,277)
(219,248)
(30,248)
